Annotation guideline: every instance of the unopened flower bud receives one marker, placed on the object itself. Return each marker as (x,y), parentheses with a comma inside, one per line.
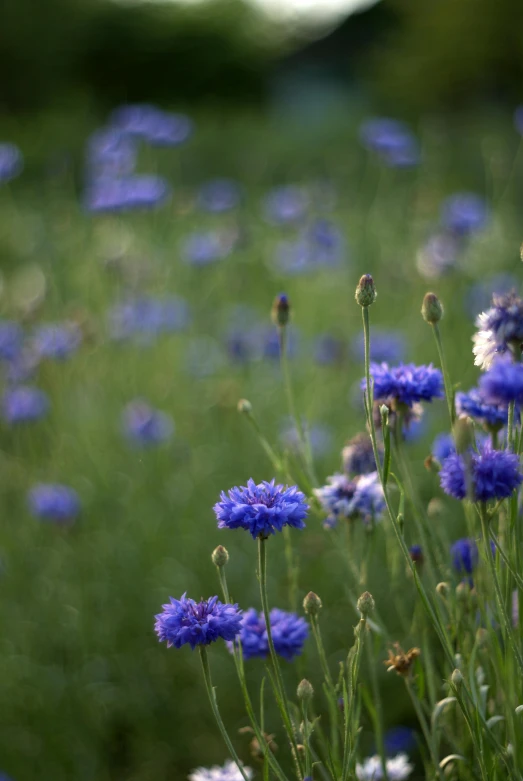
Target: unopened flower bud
(366,291)
(220,557)
(244,407)
(443,589)
(312,604)
(366,604)
(457,678)
(431,309)
(281,310)
(304,690)
(384,413)
(435,507)
(463,592)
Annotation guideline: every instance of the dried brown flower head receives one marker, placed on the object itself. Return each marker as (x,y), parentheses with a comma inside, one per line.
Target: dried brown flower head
(256,750)
(401,661)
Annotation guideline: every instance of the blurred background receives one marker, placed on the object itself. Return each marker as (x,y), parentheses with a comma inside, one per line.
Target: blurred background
(169,305)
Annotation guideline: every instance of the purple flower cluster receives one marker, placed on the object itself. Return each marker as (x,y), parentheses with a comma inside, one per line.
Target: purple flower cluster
(392,141)
(464,555)
(261,509)
(219,195)
(184,621)
(475,405)
(11,340)
(146,426)
(348,498)
(358,456)
(204,248)
(285,205)
(24,404)
(495,474)
(319,245)
(126,193)
(152,125)
(11,162)
(146,317)
(56,341)
(464,214)
(54,502)
(405,383)
(289,633)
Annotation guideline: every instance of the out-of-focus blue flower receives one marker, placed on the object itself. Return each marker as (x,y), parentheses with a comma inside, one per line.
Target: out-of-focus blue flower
(320,245)
(464,555)
(400,738)
(358,456)
(320,437)
(204,357)
(464,213)
(110,154)
(495,474)
(475,406)
(197,623)
(146,426)
(443,446)
(499,327)
(479,295)
(502,384)
(11,162)
(518,119)
(267,341)
(126,193)
(285,205)
(202,249)
(11,340)
(151,124)
(392,141)
(56,341)
(438,255)
(398,768)
(405,383)
(343,497)
(261,509)
(54,502)
(289,633)
(328,350)
(147,317)
(219,195)
(384,346)
(229,772)
(416,554)
(24,404)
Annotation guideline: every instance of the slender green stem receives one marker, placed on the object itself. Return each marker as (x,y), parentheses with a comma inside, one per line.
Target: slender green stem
(510,426)
(306,737)
(378,722)
(274,458)
(483,514)
(283,702)
(446,377)
(214,705)
(330,689)
(424,726)
(353,672)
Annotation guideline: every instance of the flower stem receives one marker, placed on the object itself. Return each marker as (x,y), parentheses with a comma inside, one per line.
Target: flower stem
(214,705)
(446,378)
(424,726)
(353,671)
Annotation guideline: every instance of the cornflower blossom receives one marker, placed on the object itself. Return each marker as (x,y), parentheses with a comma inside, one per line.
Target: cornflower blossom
(204,248)
(443,446)
(289,633)
(320,245)
(11,340)
(285,205)
(358,455)
(56,341)
(229,772)
(347,498)
(261,509)
(152,125)
(400,739)
(475,405)
(147,317)
(500,329)
(464,214)
(503,384)
(143,425)
(464,555)
(110,154)
(184,621)
(11,162)
(54,502)
(405,384)
(126,193)
(392,141)
(398,768)
(24,404)
(495,474)
(479,294)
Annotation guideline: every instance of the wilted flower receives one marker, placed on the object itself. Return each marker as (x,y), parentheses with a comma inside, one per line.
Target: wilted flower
(54,502)
(398,768)
(229,772)
(11,162)
(401,661)
(146,426)
(261,509)
(289,633)
(24,404)
(342,497)
(197,623)
(495,474)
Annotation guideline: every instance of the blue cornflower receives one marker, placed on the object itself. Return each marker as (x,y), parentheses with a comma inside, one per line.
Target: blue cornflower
(479,295)
(443,446)
(229,772)
(405,383)
(416,554)
(464,555)
(147,317)
(495,474)
(145,425)
(474,404)
(500,327)
(358,456)
(320,245)
(126,193)
(464,213)
(285,205)
(503,383)
(204,248)
(385,345)
(24,404)
(11,340)
(328,350)
(151,124)
(56,341)
(110,153)
(171,131)
(438,255)
(54,502)
(219,195)
(391,140)
(345,498)
(289,633)
(400,738)
(261,509)
(11,162)
(197,623)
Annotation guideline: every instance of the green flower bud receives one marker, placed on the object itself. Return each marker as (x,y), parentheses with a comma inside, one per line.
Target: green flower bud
(366,291)
(457,678)
(244,407)
(220,557)
(281,310)
(304,690)
(431,309)
(366,604)
(312,604)
(443,589)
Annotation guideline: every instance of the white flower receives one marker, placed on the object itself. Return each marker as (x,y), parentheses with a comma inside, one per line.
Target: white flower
(229,772)
(485,348)
(398,768)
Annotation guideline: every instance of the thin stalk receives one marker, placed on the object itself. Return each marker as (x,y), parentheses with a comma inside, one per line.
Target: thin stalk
(214,705)
(424,726)
(354,664)
(283,702)
(330,687)
(378,723)
(446,377)
(306,737)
